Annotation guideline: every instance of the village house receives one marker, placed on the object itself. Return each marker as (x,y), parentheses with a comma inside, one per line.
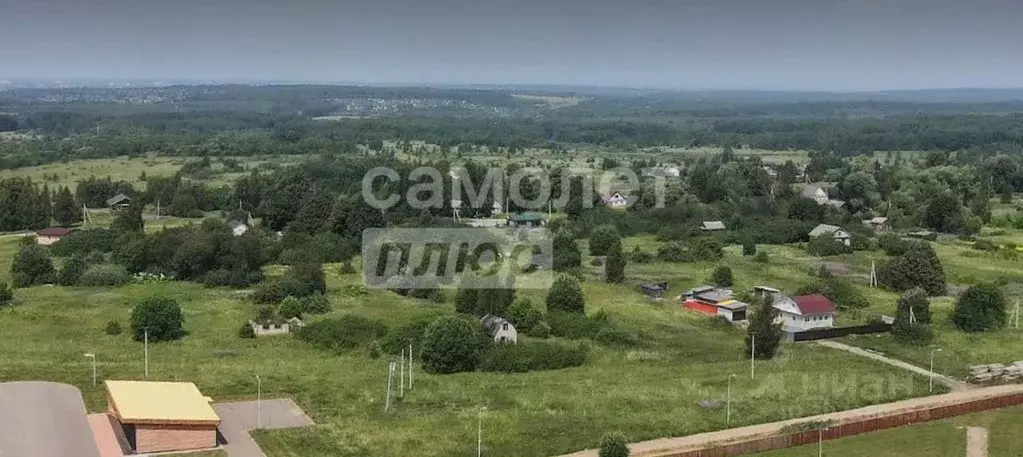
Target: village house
(833,231)
(806,312)
(119,201)
(715,301)
(499,328)
(879,224)
(817,193)
(527,220)
(713,226)
(617,201)
(52,235)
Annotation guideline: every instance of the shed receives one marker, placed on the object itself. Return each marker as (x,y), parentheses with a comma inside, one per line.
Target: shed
(527,220)
(44,419)
(499,327)
(713,226)
(879,224)
(654,290)
(48,236)
(119,201)
(163,416)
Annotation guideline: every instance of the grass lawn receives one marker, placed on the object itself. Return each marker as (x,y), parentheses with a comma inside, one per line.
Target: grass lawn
(647,391)
(933,439)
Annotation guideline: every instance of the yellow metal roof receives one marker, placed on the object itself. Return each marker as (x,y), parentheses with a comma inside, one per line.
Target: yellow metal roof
(160,402)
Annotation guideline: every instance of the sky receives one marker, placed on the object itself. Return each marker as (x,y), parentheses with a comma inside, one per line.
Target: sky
(842,45)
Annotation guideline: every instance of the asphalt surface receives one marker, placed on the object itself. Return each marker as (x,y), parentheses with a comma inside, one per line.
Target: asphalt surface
(44,419)
(237,419)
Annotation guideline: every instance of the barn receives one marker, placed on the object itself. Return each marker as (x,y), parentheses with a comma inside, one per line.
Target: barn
(163,416)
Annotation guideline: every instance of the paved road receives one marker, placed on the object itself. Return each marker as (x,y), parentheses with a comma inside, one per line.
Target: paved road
(237,419)
(976,442)
(953,384)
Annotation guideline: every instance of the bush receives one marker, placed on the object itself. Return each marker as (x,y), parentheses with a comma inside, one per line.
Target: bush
(761,257)
(113,328)
(722,277)
(453,344)
(615,270)
(161,316)
(602,238)
(106,275)
(347,269)
(246,331)
(843,294)
(915,304)
(671,252)
(640,256)
(614,445)
(980,309)
(231,278)
(32,266)
(919,266)
(597,262)
(566,295)
(913,334)
(533,356)
(824,246)
(566,252)
(523,314)
(291,307)
(749,248)
(6,294)
(72,271)
(541,330)
(84,242)
(985,245)
(892,244)
(397,339)
(316,304)
(343,333)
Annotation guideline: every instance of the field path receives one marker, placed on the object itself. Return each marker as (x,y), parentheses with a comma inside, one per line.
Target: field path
(953,384)
(976,442)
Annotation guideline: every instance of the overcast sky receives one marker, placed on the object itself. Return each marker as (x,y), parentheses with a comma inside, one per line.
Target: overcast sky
(693,44)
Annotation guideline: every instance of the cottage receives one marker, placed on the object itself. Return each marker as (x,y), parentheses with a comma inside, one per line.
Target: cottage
(502,330)
(713,226)
(52,235)
(527,220)
(879,224)
(816,193)
(617,201)
(119,201)
(805,312)
(237,228)
(716,301)
(833,231)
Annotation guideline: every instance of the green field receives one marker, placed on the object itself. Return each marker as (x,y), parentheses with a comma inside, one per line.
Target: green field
(647,391)
(945,438)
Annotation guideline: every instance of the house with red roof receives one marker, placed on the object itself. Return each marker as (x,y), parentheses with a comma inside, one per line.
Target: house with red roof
(48,236)
(805,312)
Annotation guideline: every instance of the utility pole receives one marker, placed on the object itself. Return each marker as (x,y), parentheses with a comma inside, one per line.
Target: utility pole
(410,364)
(752,356)
(158,209)
(259,402)
(390,382)
(930,382)
(93,357)
(402,374)
(728,401)
(146,330)
(479,434)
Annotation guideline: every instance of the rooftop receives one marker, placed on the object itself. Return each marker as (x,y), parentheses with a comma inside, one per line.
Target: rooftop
(713,225)
(810,305)
(55,231)
(139,402)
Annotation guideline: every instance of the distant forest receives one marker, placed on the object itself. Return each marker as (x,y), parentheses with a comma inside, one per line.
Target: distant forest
(240,120)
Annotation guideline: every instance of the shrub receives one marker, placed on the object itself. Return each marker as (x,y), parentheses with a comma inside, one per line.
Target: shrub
(316,304)
(246,331)
(640,256)
(161,316)
(980,309)
(749,248)
(291,307)
(453,344)
(347,268)
(722,276)
(72,271)
(597,262)
(985,245)
(375,351)
(761,257)
(671,252)
(541,330)
(524,314)
(615,270)
(614,445)
(892,244)
(105,275)
(398,338)
(6,294)
(566,295)
(602,238)
(84,242)
(533,356)
(919,266)
(32,266)
(231,278)
(343,333)
(824,246)
(915,304)
(913,334)
(113,328)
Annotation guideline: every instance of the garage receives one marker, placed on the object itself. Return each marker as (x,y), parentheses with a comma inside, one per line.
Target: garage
(163,416)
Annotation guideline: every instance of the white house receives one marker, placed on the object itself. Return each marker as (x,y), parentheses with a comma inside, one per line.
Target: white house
(806,312)
(502,330)
(237,228)
(833,231)
(713,226)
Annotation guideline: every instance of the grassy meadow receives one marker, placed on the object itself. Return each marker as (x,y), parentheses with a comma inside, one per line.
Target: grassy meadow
(647,391)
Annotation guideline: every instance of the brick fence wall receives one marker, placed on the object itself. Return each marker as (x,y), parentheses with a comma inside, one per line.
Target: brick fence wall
(853,427)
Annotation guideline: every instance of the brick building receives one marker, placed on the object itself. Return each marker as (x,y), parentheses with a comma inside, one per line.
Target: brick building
(163,416)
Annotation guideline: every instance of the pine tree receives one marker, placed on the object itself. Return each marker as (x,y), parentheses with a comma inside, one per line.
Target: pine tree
(614,268)
(65,210)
